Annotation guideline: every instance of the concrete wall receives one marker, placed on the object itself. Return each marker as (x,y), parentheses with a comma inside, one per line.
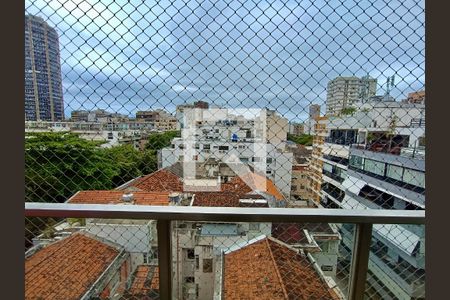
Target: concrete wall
(133,237)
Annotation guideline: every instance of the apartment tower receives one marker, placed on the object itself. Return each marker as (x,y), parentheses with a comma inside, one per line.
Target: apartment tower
(43,85)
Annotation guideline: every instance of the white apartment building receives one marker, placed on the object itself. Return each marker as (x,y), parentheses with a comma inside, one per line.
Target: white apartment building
(374,159)
(252,137)
(274,162)
(342,92)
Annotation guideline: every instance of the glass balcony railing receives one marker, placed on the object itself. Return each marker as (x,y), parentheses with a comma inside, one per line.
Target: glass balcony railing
(176,252)
(412,152)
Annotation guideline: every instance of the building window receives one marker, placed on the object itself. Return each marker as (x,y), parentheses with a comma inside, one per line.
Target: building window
(197,262)
(207,265)
(269,160)
(244,159)
(153,253)
(190,254)
(326,268)
(356,161)
(374,166)
(327,167)
(414,177)
(223,147)
(394,172)
(189,279)
(206,146)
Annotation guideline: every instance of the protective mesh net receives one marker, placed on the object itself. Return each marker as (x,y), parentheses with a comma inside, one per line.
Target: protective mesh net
(293,104)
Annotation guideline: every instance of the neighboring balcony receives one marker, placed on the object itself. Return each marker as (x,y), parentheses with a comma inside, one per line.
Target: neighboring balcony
(411,152)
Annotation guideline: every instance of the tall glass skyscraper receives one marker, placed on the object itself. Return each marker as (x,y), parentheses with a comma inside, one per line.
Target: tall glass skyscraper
(43,85)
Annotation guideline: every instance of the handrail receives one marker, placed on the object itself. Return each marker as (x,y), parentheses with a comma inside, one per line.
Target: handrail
(234,214)
(364,220)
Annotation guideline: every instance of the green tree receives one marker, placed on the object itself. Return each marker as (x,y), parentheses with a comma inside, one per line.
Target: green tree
(348,111)
(59,164)
(128,160)
(304,139)
(157,141)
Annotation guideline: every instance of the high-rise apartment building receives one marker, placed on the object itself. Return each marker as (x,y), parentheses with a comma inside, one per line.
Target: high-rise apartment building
(342,92)
(43,85)
(314,111)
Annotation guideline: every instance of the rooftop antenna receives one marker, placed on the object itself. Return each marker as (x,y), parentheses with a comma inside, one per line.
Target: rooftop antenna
(387,86)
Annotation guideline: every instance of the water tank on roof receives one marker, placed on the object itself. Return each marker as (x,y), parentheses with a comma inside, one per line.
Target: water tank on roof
(128,197)
(174,198)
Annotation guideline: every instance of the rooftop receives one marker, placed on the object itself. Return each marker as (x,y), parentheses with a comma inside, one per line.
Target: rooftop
(244,187)
(170,179)
(115,197)
(272,270)
(145,282)
(160,181)
(294,233)
(68,268)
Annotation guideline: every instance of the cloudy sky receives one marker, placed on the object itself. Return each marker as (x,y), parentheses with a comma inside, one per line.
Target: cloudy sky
(135,55)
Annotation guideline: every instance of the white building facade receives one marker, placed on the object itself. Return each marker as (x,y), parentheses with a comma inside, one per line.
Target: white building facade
(374,159)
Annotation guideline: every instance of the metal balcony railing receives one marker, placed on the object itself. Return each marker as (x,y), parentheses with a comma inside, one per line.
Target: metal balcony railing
(412,152)
(363,220)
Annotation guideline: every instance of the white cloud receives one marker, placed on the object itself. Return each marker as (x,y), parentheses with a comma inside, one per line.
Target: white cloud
(180,88)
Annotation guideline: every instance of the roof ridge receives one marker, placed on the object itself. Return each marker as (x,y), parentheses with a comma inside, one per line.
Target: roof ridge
(277,270)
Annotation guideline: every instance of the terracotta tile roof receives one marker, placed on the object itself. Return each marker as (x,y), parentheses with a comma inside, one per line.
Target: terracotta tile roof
(299,168)
(170,180)
(292,233)
(66,269)
(223,199)
(238,188)
(159,181)
(145,280)
(115,197)
(254,181)
(269,270)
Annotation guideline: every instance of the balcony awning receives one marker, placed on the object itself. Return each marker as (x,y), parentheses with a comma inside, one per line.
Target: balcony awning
(404,239)
(399,236)
(397,195)
(353,184)
(350,203)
